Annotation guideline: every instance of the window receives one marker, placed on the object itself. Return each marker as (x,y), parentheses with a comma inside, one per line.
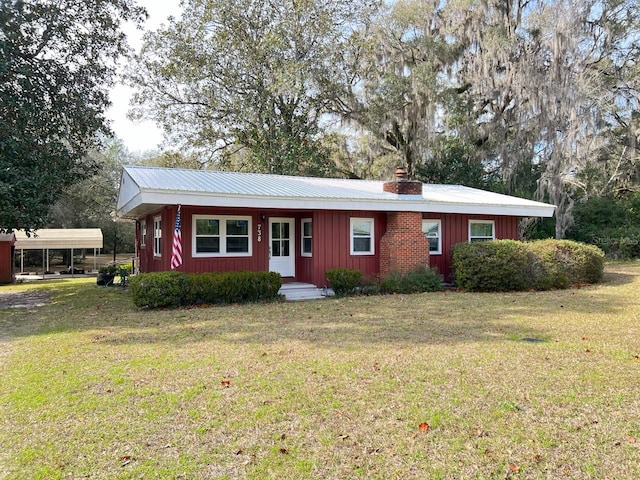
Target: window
(362,236)
(221,235)
(481,230)
(431,230)
(307,237)
(143,233)
(157,236)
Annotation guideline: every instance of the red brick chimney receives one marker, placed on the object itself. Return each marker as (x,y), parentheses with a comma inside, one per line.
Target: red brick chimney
(401,185)
(403,246)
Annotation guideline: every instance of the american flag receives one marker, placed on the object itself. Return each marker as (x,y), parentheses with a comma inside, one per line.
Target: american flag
(176,253)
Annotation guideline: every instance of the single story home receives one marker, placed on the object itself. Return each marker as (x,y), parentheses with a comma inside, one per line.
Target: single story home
(303,226)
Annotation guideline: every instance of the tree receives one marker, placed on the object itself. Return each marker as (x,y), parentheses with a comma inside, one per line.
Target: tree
(91,202)
(247,83)
(57,60)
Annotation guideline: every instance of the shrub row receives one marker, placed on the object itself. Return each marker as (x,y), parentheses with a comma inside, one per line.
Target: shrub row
(506,265)
(345,281)
(172,289)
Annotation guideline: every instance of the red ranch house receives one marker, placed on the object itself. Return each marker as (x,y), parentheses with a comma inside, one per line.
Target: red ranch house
(302,226)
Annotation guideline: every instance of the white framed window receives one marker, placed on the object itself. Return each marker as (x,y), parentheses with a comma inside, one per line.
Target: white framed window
(432,230)
(143,233)
(361,236)
(481,230)
(221,235)
(306,245)
(157,236)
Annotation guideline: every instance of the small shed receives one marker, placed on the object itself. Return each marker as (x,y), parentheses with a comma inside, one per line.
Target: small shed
(7,246)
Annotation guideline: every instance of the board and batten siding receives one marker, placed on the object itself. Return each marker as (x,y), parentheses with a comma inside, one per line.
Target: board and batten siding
(455,229)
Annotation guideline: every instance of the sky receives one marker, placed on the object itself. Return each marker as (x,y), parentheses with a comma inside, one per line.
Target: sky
(139,136)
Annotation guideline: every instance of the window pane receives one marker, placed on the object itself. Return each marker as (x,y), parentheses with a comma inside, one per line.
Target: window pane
(306,228)
(275,248)
(207,226)
(361,244)
(285,248)
(237,227)
(237,245)
(433,244)
(361,229)
(207,244)
(306,245)
(285,230)
(275,230)
(481,229)
(431,229)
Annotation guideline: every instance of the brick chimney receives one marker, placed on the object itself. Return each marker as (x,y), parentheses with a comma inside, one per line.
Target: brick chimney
(403,246)
(401,185)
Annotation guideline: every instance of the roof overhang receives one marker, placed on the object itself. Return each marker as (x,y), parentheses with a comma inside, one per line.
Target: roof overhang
(149,201)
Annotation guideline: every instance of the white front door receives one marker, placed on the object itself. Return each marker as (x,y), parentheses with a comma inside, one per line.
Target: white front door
(281,246)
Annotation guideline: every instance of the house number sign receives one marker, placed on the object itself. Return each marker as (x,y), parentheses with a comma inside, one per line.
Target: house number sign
(259,232)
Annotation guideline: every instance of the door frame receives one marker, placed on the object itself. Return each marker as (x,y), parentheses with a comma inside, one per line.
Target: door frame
(291,264)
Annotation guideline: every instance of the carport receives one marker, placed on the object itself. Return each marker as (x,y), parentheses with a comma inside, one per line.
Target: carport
(47,239)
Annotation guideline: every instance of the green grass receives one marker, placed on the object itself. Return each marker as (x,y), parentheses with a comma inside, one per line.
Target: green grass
(91,387)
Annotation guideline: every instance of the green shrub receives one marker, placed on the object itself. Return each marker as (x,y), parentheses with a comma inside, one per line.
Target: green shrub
(160,289)
(562,263)
(503,265)
(420,279)
(343,281)
(168,289)
(492,266)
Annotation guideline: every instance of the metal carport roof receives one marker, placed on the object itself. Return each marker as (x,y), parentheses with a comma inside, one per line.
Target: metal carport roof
(63,238)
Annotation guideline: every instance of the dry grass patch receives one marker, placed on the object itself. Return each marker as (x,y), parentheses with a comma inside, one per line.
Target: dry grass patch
(93,388)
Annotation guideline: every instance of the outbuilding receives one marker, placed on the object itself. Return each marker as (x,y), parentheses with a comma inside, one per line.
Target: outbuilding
(302,226)
(7,247)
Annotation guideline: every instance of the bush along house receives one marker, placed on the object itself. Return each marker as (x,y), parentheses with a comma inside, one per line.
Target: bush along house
(300,226)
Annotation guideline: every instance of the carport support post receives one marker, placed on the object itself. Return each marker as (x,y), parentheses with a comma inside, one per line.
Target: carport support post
(72,263)
(22,260)
(43,270)
(47,259)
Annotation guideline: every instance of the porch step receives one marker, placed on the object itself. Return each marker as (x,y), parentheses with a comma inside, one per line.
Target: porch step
(303,291)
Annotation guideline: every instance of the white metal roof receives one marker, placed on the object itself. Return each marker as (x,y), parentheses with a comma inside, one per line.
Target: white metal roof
(51,238)
(144,189)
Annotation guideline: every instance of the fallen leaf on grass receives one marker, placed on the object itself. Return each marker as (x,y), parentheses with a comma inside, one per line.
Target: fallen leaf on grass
(284,451)
(424,427)
(631,439)
(514,468)
(125,460)
(488,453)
(226,383)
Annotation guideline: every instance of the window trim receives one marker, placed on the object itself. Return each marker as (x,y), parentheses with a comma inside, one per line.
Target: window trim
(222,235)
(354,220)
(157,236)
(493,230)
(303,237)
(438,221)
(143,233)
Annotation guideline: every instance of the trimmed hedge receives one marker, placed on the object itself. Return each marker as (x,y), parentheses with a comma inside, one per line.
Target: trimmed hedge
(343,280)
(418,280)
(507,265)
(492,266)
(421,279)
(171,289)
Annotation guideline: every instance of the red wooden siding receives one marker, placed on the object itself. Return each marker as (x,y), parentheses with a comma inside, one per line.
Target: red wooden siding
(6,262)
(331,244)
(455,229)
(330,241)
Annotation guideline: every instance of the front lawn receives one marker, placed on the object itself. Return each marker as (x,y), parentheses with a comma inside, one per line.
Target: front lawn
(438,385)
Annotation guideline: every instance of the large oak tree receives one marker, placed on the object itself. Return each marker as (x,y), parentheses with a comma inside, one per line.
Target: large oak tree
(57,61)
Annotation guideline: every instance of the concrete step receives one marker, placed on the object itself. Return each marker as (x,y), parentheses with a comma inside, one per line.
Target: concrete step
(302,291)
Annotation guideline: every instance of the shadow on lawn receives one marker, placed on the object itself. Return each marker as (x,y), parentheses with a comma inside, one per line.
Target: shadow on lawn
(435,318)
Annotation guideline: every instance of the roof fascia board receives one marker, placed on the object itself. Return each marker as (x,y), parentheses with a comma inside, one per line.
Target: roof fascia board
(242,201)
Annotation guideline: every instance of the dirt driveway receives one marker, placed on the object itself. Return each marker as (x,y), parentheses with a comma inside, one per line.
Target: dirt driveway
(26,299)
